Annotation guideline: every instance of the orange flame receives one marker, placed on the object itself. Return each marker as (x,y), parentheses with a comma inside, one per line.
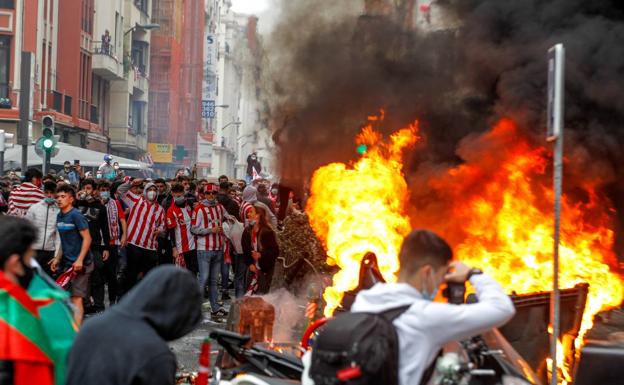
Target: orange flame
(508,224)
(496,209)
(359,208)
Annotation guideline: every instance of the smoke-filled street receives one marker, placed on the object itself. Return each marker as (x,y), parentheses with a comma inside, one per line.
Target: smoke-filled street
(313,192)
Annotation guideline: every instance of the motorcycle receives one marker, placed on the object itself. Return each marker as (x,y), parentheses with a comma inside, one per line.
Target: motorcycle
(265,366)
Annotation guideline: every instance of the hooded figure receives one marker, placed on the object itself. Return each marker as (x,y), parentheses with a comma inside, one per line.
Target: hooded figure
(128,343)
(250,195)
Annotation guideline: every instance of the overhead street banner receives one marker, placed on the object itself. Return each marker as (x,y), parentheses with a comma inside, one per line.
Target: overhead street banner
(160,152)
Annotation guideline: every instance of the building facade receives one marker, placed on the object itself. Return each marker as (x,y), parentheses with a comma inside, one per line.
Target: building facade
(233,84)
(89,70)
(177,55)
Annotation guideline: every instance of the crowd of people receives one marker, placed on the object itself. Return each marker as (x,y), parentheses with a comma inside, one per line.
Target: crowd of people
(102,235)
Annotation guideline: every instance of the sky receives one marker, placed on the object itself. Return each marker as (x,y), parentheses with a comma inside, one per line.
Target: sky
(250,6)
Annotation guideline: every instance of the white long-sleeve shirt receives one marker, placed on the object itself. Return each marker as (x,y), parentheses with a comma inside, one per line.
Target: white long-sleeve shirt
(43,217)
(426,326)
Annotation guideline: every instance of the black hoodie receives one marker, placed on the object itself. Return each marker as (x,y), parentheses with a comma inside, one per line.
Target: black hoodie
(127,344)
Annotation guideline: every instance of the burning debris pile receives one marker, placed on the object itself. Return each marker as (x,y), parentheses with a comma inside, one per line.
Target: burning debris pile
(301,253)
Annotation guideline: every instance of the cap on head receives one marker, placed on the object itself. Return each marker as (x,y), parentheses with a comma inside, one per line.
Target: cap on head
(108,158)
(210,187)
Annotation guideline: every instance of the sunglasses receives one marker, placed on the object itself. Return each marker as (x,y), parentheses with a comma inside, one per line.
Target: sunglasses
(210,193)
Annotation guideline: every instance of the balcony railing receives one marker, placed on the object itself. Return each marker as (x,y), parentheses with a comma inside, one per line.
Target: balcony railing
(103,48)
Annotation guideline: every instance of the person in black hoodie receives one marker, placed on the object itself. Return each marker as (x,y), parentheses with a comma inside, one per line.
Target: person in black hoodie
(229,204)
(90,205)
(128,343)
(260,250)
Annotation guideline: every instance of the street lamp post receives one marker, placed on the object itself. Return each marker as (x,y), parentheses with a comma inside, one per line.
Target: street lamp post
(146,27)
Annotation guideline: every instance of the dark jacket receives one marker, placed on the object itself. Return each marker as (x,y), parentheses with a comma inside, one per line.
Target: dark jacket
(251,164)
(127,344)
(230,205)
(267,201)
(97,217)
(269,250)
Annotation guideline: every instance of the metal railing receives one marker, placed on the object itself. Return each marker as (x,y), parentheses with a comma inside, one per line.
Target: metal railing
(102,48)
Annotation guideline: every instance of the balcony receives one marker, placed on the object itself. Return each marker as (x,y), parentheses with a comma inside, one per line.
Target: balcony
(140,83)
(123,139)
(105,62)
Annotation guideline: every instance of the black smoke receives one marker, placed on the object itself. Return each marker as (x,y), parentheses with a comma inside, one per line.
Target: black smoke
(335,62)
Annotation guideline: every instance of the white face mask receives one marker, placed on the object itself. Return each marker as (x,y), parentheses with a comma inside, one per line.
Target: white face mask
(430,296)
(151,195)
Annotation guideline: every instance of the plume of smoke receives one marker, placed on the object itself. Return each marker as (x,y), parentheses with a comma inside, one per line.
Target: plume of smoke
(335,62)
(289,312)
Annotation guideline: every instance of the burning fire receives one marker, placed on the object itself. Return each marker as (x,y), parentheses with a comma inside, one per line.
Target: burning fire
(507,222)
(360,208)
(496,209)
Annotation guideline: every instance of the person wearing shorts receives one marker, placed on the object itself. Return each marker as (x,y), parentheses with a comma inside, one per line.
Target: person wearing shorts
(73,229)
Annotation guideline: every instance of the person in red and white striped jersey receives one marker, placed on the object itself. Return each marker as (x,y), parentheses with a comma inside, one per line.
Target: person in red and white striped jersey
(179,221)
(146,221)
(27,194)
(207,223)
(130,192)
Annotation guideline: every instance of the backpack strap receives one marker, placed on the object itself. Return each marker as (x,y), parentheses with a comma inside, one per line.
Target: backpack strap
(394,313)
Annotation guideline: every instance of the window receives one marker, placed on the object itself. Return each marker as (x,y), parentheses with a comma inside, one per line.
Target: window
(94,115)
(137,117)
(8,4)
(68,105)
(57,101)
(87,16)
(140,50)
(5,65)
(142,5)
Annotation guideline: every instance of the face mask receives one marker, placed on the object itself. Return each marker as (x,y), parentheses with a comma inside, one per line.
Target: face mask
(274,191)
(66,168)
(180,201)
(210,202)
(82,196)
(151,195)
(430,296)
(105,195)
(29,273)
(252,222)
(50,201)
(116,167)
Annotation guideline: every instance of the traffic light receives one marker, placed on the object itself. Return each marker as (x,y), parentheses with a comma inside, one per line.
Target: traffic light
(47,142)
(4,138)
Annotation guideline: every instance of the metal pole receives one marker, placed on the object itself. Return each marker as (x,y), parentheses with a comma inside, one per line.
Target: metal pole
(555,309)
(46,163)
(1,162)
(556,68)
(24,108)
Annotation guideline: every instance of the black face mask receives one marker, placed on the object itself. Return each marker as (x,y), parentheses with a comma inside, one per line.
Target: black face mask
(25,279)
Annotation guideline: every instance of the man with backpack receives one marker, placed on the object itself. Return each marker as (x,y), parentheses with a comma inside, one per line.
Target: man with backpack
(398,328)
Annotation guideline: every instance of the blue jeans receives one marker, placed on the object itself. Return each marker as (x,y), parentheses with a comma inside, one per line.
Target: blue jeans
(209,269)
(225,275)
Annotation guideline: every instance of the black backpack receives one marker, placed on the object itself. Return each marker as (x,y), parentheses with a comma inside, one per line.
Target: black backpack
(358,349)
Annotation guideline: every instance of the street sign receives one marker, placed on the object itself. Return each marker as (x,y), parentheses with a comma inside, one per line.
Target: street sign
(556,69)
(160,152)
(180,153)
(208,109)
